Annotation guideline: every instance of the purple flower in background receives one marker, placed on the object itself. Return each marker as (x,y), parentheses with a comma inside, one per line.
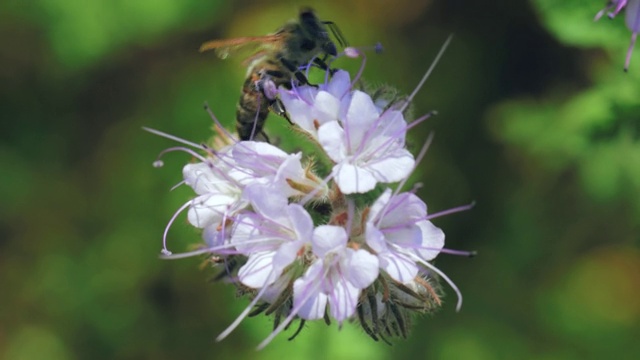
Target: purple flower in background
(632,19)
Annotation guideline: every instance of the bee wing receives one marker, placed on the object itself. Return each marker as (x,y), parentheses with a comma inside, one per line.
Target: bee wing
(226,47)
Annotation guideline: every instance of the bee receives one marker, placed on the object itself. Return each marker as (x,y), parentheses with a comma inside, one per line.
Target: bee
(277,62)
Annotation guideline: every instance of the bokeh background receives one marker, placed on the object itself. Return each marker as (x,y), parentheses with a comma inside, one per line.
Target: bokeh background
(537,124)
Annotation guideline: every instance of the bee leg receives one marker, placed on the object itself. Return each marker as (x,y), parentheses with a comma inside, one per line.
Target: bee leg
(322,64)
(277,107)
(294,69)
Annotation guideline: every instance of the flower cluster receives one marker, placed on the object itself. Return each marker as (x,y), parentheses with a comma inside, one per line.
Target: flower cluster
(632,19)
(321,237)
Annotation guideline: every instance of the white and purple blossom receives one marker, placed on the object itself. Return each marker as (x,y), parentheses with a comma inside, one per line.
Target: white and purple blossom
(218,194)
(367,146)
(309,107)
(336,277)
(397,230)
(337,256)
(270,236)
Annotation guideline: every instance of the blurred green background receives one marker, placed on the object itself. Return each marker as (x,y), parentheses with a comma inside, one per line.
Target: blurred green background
(537,123)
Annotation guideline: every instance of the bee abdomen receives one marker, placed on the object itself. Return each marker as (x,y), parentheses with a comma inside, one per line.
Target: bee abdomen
(253,108)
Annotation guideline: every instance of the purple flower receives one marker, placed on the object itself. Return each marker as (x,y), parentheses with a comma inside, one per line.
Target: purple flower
(309,107)
(397,230)
(336,277)
(632,19)
(270,236)
(367,146)
(293,241)
(218,194)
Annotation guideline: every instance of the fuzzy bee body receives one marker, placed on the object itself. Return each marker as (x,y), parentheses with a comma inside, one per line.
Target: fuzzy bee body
(277,63)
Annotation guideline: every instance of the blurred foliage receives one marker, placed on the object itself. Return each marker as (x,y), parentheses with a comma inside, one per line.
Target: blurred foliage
(538,124)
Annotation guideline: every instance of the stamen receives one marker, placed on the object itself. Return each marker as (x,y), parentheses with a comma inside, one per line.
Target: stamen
(171,137)
(206,250)
(177,185)
(630,51)
(451,211)
(218,123)
(315,191)
(471,253)
(179,148)
(166,251)
(428,73)
(245,312)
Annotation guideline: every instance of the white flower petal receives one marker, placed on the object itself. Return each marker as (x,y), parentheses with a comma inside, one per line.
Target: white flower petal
(352,179)
(339,84)
(432,237)
(327,107)
(208,209)
(375,238)
(258,270)
(332,139)
(392,167)
(307,295)
(301,221)
(328,238)
(285,255)
(361,115)
(343,300)
(379,205)
(407,235)
(266,200)
(400,267)
(362,268)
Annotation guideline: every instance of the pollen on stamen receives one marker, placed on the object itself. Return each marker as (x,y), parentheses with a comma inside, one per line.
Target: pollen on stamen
(158,164)
(351,52)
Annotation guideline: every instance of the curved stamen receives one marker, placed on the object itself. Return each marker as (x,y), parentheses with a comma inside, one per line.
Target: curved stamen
(166,251)
(441,274)
(179,148)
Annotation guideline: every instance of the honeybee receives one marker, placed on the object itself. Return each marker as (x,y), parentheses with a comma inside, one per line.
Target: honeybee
(277,62)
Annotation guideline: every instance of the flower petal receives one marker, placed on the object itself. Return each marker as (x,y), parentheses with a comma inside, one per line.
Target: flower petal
(353,179)
(258,270)
(361,115)
(331,138)
(328,238)
(392,167)
(399,266)
(362,268)
(208,210)
(326,107)
(307,294)
(339,84)
(432,240)
(343,301)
